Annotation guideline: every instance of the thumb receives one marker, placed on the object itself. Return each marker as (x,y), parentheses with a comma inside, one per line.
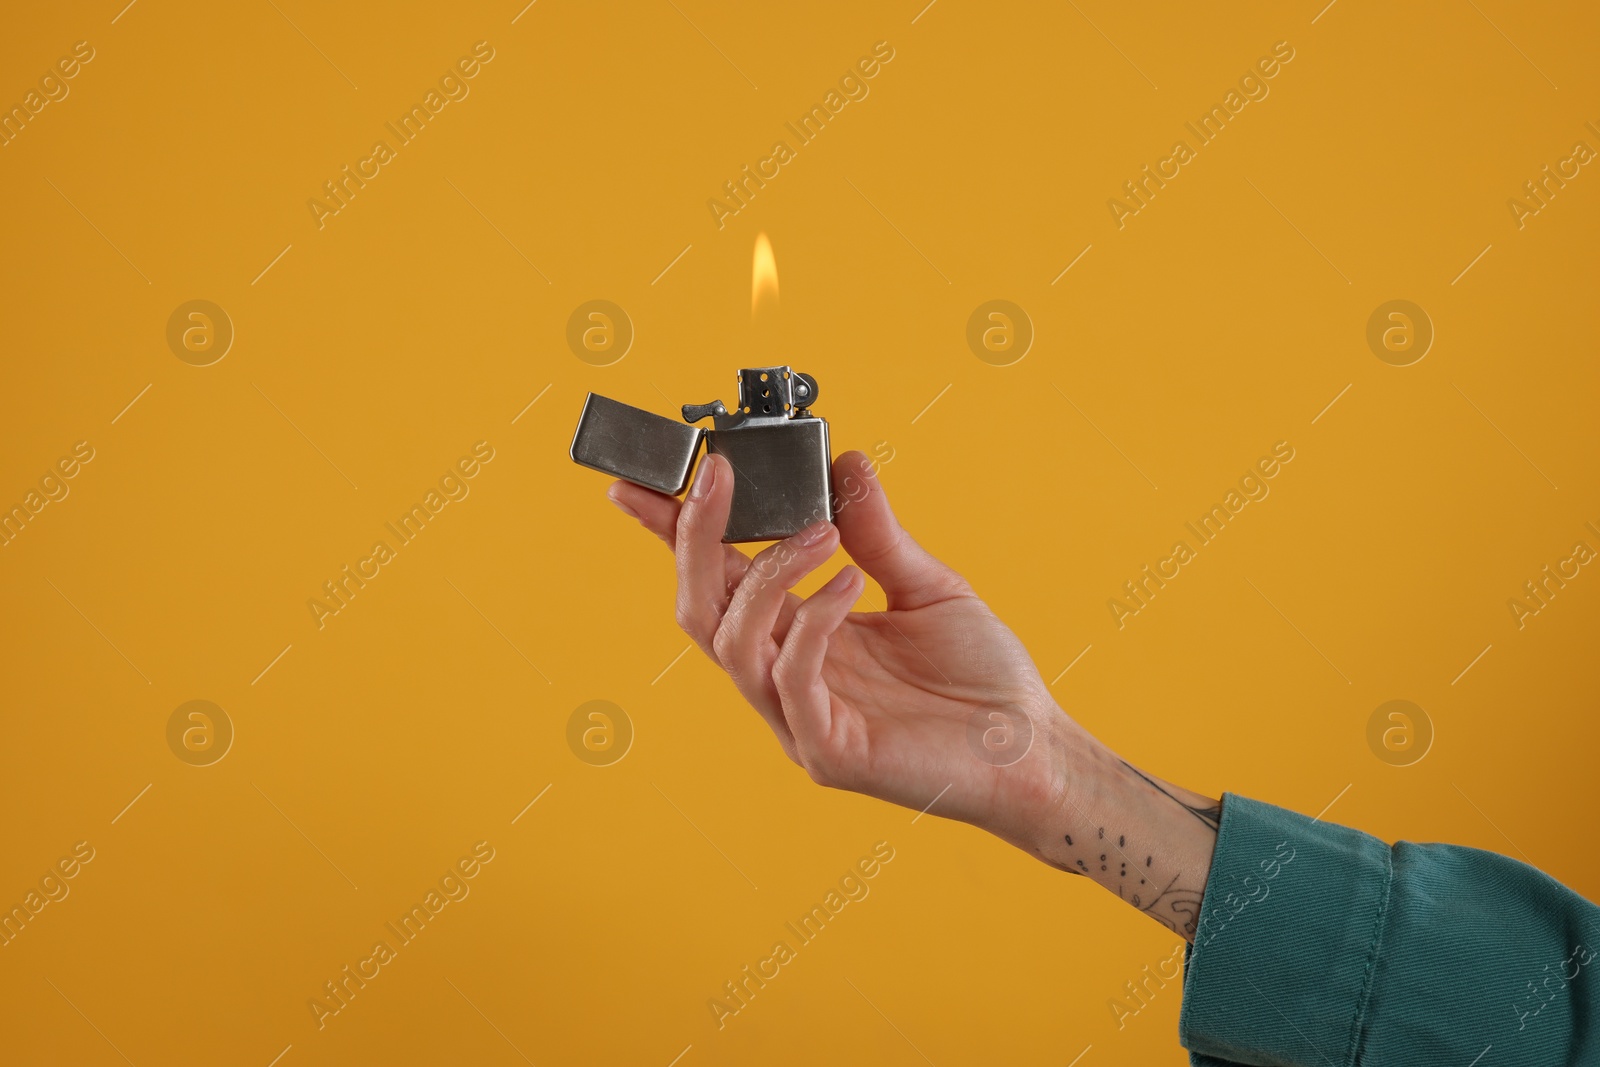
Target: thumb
(910,576)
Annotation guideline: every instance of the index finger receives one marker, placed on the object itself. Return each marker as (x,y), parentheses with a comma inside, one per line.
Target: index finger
(658,513)
(702,585)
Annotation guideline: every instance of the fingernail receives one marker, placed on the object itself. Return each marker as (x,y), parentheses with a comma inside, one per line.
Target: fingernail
(813,533)
(704,478)
(611,495)
(840,582)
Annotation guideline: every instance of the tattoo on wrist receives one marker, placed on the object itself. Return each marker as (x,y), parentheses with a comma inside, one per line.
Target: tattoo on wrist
(1173,899)
(1211,815)
(1172,905)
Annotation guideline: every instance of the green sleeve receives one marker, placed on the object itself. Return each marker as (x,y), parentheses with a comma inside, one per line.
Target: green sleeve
(1321,946)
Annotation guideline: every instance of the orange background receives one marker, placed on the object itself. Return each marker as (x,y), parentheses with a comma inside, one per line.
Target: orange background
(425,316)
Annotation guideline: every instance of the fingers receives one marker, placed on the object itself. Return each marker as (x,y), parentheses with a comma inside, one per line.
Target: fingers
(735,608)
(658,513)
(910,577)
(702,585)
(797,672)
(744,642)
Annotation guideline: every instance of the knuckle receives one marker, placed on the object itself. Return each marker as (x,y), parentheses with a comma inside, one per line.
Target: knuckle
(804,617)
(697,619)
(691,518)
(767,564)
(818,771)
(725,642)
(784,678)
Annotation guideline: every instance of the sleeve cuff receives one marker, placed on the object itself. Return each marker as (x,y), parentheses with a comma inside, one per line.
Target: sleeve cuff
(1287,937)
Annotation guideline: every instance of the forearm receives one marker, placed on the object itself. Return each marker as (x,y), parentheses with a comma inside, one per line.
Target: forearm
(1366,953)
(1143,839)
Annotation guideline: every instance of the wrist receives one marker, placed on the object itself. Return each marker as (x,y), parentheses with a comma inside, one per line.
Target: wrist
(1063,785)
(1097,816)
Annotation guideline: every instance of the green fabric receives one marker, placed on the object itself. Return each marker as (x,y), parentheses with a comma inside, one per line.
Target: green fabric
(1321,946)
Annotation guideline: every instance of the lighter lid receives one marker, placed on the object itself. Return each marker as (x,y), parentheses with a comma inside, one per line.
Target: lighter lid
(635,445)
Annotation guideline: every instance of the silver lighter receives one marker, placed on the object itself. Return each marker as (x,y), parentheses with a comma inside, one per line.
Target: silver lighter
(777,448)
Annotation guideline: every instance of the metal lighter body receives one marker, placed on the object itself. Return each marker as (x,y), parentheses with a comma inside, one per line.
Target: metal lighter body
(778,450)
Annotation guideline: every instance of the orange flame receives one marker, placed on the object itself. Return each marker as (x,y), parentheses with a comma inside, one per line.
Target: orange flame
(763,277)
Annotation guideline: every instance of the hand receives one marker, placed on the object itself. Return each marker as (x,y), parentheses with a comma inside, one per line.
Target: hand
(896,703)
(885,703)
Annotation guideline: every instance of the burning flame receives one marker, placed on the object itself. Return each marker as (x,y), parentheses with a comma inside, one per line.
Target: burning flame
(763,277)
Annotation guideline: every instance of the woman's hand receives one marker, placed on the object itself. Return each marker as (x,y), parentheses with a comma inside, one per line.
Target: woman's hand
(931,698)
(931,702)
